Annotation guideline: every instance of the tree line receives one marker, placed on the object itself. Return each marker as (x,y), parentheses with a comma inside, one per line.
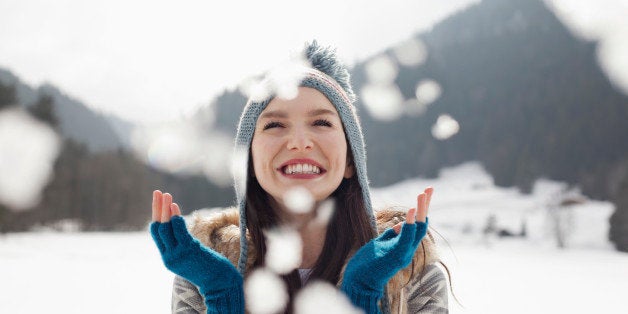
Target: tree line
(108,190)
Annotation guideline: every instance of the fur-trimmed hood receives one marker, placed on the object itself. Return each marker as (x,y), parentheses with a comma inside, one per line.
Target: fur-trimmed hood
(220,231)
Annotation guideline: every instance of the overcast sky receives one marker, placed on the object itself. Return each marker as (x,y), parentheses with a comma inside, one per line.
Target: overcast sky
(154,60)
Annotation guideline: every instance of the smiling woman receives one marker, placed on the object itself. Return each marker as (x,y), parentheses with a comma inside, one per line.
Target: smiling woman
(295,137)
(383,262)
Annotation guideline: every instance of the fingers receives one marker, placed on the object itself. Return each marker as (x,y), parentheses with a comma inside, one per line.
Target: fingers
(423,203)
(397,227)
(420,212)
(175,210)
(167,235)
(429,190)
(163,207)
(157,205)
(411,216)
(166,201)
(422,207)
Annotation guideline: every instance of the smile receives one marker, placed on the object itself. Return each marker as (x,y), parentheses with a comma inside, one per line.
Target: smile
(301,169)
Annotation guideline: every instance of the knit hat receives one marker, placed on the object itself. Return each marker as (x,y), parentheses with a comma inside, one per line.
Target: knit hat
(327,75)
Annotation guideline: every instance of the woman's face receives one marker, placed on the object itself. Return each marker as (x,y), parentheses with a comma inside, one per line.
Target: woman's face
(300,142)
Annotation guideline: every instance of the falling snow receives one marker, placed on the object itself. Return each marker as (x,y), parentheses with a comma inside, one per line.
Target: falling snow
(265,292)
(185,148)
(319,297)
(284,247)
(445,127)
(383,101)
(428,91)
(28,150)
(411,52)
(299,200)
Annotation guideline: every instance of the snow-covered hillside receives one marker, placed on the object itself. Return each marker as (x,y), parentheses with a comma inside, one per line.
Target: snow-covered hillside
(122,272)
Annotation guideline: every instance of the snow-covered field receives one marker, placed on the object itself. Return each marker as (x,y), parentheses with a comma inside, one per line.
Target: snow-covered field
(44,272)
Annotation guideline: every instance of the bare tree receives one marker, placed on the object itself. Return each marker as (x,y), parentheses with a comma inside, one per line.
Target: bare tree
(560,213)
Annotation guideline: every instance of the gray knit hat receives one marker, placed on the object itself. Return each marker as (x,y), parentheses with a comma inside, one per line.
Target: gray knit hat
(331,78)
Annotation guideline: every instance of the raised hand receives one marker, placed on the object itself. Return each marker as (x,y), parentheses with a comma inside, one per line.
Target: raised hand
(218,280)
(380,259)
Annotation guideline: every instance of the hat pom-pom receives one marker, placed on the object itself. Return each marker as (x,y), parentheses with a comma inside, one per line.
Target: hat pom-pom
(325,60)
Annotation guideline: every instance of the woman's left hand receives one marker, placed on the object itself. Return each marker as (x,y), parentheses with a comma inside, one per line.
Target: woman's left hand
(380,259)
(423,204)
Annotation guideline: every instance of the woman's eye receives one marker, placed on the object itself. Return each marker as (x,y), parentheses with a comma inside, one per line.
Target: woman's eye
(272,125)
(322,122)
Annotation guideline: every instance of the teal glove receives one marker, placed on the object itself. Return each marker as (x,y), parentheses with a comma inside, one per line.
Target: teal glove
(377,261)
(218,280)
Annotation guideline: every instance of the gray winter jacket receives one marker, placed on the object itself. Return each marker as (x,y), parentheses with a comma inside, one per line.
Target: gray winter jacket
(419,288)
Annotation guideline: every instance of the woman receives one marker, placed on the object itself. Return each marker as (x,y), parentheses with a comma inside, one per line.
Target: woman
(313,141)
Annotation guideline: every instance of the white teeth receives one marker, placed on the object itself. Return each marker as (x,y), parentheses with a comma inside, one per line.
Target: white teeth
(301,168)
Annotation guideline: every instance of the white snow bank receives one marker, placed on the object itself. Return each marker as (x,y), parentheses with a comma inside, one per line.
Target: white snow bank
(45,272)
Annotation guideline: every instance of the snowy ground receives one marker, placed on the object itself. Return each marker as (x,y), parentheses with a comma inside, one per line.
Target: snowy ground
(122,272)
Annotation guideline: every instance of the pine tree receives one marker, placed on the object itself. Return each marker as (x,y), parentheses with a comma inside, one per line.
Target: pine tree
(7,99)
(7,96)
(43,110)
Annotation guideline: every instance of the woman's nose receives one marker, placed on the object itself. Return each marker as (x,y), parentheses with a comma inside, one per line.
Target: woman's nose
(299,139)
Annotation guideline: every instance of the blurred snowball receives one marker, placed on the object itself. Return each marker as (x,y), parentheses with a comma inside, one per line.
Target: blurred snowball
(286,78)
(284,250)
(320,297)
(299,200)
(204,114)
(427,91)
(282,80)
(604,22)
(381,70)
(239,166)
(185,148)
(414,107)
(411,52)
(586,19)
(170,150)
(218,155)
(255,89)
(324,212)
(165,146)
(384,102)
(611,54)
(445,127)
(265,292)
(28,150)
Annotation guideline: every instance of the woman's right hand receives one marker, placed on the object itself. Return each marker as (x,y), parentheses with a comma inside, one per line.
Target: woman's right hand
(186,256)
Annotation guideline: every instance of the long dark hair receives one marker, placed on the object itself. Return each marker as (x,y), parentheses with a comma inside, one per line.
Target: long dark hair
(348,228)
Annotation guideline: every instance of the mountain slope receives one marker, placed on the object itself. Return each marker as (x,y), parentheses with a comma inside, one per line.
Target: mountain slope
(77,121)
(530,99)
